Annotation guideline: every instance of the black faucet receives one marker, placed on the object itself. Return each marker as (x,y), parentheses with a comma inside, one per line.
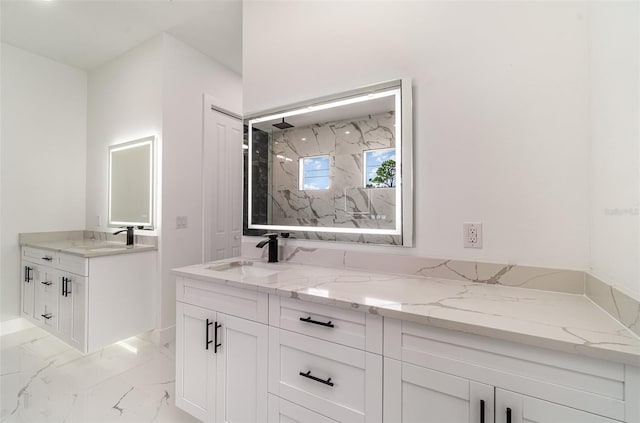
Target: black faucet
(273,246)
(129,234)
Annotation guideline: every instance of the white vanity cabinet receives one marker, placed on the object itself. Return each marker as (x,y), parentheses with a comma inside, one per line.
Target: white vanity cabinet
(221,352)
(437,375)
(113,300)
(344,364)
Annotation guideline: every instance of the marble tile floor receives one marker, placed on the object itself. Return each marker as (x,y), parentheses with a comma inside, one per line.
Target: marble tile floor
(42,379)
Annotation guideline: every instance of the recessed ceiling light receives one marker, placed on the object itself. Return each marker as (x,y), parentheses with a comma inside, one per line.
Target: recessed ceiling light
(303,139)
(347,132)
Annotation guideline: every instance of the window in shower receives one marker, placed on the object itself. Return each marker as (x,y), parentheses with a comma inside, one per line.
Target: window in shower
(314,173)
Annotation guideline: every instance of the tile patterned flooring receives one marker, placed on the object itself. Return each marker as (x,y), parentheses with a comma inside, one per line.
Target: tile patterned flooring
(42,379)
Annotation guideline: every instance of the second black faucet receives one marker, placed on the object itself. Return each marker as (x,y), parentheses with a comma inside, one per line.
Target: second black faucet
(273,246)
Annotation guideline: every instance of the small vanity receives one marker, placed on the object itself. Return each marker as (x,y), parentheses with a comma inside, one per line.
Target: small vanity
(88,292)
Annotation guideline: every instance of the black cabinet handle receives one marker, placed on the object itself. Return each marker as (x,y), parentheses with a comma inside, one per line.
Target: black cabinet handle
(481,411)
(508,415)
(215,338)
(47,283)
(46,316)
(315,322)
(65,286)
(47,258)
(317,379)
(206,331)
(27,274)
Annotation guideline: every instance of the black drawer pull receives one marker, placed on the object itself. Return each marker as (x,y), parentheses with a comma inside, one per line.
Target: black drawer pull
(47,283)
(317,379)
(481,411)
(315,322)
(46,316)
(508,415)
(47,258)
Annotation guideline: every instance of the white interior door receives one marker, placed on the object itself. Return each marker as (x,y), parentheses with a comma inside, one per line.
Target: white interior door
(222,184)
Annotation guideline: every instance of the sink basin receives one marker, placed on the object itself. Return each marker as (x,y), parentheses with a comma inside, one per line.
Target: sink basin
(245,268)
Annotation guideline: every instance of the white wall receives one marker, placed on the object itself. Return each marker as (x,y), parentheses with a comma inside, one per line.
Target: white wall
(615,151)
(500,109)
(43,156)
(187,76)
(124,103)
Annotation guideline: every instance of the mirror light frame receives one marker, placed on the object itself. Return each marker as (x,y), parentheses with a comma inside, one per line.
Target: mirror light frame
(125,146)
(401,89)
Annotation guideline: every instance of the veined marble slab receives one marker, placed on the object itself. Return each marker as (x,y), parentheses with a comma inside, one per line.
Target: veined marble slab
(87,243)
(45,380)
(560,321)
(615,302)
(569,281)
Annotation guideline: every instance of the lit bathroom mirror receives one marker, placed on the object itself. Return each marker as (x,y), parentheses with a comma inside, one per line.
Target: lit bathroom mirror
(131,182)
(337,168)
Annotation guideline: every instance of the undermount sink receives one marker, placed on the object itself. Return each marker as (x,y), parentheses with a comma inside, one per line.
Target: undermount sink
(245,268)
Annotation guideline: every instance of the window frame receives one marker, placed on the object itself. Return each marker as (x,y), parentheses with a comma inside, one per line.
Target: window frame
(365,167)
(301,180)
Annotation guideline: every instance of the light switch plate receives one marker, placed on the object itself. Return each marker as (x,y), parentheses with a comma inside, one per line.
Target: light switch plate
(181,222)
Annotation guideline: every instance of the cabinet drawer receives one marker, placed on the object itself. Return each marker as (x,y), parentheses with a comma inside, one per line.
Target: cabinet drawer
(352,328)
(342,383)
(73,264)
(40,256)
(283,411)
(584,383)
(251,305)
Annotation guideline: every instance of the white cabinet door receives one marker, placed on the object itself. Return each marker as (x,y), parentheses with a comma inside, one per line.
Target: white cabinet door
(417,394)
(72,309)
(195,361)
(283,411)
(28,290)
(241,384)
(516,408)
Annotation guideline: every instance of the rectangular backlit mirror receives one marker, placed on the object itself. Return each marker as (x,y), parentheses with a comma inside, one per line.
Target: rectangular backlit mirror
(131,183)
(337,168)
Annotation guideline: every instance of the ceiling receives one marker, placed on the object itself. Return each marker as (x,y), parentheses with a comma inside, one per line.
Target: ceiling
(88,33)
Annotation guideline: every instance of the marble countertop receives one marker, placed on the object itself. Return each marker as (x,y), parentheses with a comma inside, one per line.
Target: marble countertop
(88,247)
(559,321)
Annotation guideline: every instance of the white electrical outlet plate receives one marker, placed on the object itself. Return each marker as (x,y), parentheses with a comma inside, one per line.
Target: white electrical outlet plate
(472,234)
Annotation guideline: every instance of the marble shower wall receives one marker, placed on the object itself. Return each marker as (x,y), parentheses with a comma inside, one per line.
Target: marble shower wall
(347,203)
